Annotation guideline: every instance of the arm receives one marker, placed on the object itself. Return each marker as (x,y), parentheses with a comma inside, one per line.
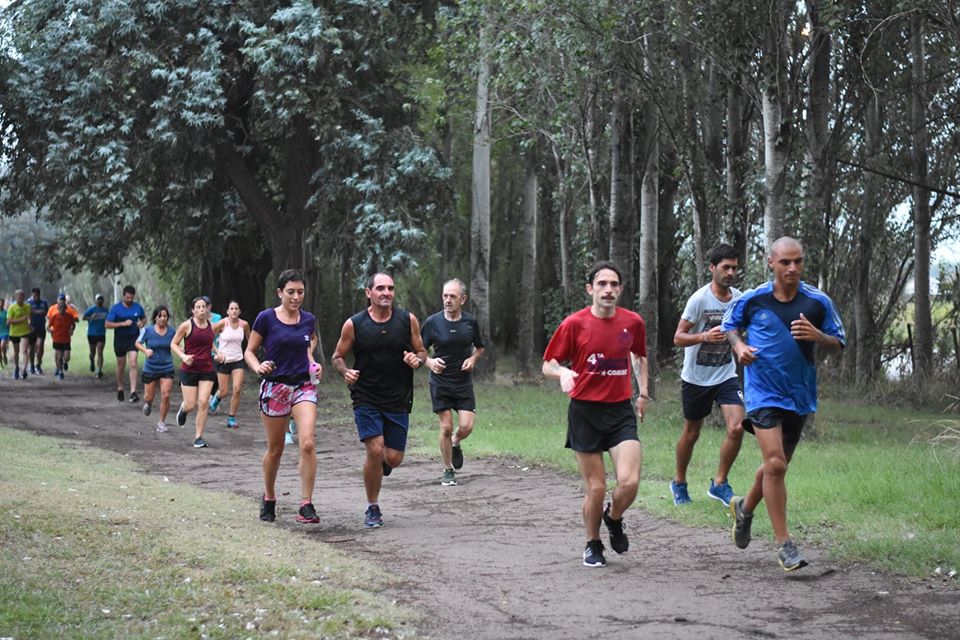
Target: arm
(177,339)
(746,355)
(250,355)
(344,345)
(147,351)
(640,371)
(471,362)
(418,356)
(683,337)
(803,329)
(555,371)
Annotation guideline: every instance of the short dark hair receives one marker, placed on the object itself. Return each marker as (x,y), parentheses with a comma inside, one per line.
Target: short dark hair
(369,283)
(603,264)
(160,308)
(129,289)
(722,251)
(289,275)
(204,299)
(35,290)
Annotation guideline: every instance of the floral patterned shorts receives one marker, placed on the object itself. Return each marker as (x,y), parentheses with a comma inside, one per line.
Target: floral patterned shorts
(277,399)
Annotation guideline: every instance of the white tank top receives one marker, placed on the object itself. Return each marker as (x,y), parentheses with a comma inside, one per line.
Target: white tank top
(231,342)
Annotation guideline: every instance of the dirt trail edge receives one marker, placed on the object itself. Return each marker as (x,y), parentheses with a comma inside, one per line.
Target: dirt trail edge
(497,557)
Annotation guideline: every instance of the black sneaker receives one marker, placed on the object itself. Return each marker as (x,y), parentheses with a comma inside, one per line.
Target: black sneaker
(99,375)
(741,523)
(181,416)
(119,395)
(618,539)
(134,397)
(268,510)
(147,408)
(456,456)
(387,469)
(308,515)
(593,554)
(199,443)
(92,366)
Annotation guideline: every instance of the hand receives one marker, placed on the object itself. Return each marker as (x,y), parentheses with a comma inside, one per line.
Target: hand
(803,329)
(642,406)
(468,364)
(317,369)
(412,359)
(351,376)
(220,357)
(437,365)
(746,354)
(714,336)
(149,352)
(128,323)
(567,381)
(187,360)
(266,367)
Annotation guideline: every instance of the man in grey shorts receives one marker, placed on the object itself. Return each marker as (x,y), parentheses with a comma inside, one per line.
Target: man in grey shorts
(709,375)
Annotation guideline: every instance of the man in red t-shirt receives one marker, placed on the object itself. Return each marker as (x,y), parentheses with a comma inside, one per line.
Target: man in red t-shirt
(61,321)
(602,344)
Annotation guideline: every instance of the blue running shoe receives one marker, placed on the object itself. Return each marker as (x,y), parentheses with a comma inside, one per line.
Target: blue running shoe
(292,426)
(722,492)
(232,423)
(214,403)
(288,438)
(16,373)
(373,519)
(679,491)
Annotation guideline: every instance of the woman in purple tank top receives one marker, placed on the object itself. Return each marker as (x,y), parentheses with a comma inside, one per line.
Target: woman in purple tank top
(289,374)
(196,369)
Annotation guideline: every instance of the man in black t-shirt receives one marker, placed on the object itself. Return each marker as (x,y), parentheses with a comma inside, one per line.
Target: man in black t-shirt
(386,347)
(457,345)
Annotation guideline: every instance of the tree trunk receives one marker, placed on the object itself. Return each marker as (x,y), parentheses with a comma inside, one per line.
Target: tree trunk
(480,209)
(526,357)
(737,165)
(923,337)
(622,218)
(867,342)
(565,231)
(649,199)
(776,122)
(819,197)
(693,156)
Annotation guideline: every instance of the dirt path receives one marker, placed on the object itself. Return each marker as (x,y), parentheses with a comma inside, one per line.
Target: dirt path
(498,556)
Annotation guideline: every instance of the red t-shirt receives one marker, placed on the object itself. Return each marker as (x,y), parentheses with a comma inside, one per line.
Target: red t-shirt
(61,324)
(598,349)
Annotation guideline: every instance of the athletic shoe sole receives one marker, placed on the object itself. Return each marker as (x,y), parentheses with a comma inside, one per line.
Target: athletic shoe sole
(799,565)
(303,520)
(719,499)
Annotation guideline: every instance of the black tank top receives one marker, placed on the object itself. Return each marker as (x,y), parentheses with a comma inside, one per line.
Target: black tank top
(386,382)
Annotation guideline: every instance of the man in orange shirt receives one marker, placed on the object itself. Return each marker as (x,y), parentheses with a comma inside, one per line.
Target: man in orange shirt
(61,321)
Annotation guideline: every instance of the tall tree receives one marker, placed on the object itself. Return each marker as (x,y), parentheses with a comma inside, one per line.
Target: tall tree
(923,333)
(526,352)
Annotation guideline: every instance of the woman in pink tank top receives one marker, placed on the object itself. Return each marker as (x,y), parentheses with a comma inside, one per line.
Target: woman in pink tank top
(233,333)
(196,370)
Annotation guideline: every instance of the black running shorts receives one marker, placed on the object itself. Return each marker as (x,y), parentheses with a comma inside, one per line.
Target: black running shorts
(770,417)
(593,427)
(698,400)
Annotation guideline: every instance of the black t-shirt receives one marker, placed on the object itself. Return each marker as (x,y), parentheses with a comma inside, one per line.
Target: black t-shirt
(453,341)
(386,382)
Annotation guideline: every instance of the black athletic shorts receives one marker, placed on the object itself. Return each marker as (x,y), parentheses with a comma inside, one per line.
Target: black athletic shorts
(457,398)
(17,339)
(37,334)
(153,377)
(193,379)
(95,340)
(61,346)
(698,400)
(227,367)
(769,417)
(122,346)
(593,427)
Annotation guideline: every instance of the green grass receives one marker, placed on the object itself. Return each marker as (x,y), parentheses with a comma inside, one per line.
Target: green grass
(94,549)
(871,488)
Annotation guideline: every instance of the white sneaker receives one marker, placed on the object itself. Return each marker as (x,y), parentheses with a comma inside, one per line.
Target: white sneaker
(161,427)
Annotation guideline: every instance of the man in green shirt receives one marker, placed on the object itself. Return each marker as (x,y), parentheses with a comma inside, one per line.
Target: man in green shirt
(18,319)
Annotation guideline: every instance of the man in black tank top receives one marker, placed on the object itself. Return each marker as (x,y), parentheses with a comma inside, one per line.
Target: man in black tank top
(387,348)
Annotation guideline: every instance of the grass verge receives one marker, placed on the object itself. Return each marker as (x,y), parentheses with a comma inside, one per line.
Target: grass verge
(94,549)
(871,488)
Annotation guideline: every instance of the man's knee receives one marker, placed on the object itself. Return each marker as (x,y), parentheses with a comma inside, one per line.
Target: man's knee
(775,466)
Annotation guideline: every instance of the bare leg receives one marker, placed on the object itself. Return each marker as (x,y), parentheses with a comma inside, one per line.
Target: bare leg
(733,416)
(305,417)
(770,481)
(204,389)
(134,372)
(627,457)
(464,426)
(684,450)
(373,467)
(236,389)
(594,476)
(446,435)
(275,429)
(166,386)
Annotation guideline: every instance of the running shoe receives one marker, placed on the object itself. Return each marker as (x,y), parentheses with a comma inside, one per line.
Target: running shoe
(288,438)
(232,423)
(456,456)
(214,403)
(181,416)
(291,426)
(199,443)
(33,370)
(147,408)
(308,515)
(741,523)
(39,370)
(387,469)
(448,479)
(161,427)
(119,395)
(268,510)
(60,375)
(99,375)
(56,373)
(722,492)
(16,373)
(679,491)
(593,554)
(66,365)
(92,366)
(24,376)
(618,539)
(790,557)
(373,519)
(134,397)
